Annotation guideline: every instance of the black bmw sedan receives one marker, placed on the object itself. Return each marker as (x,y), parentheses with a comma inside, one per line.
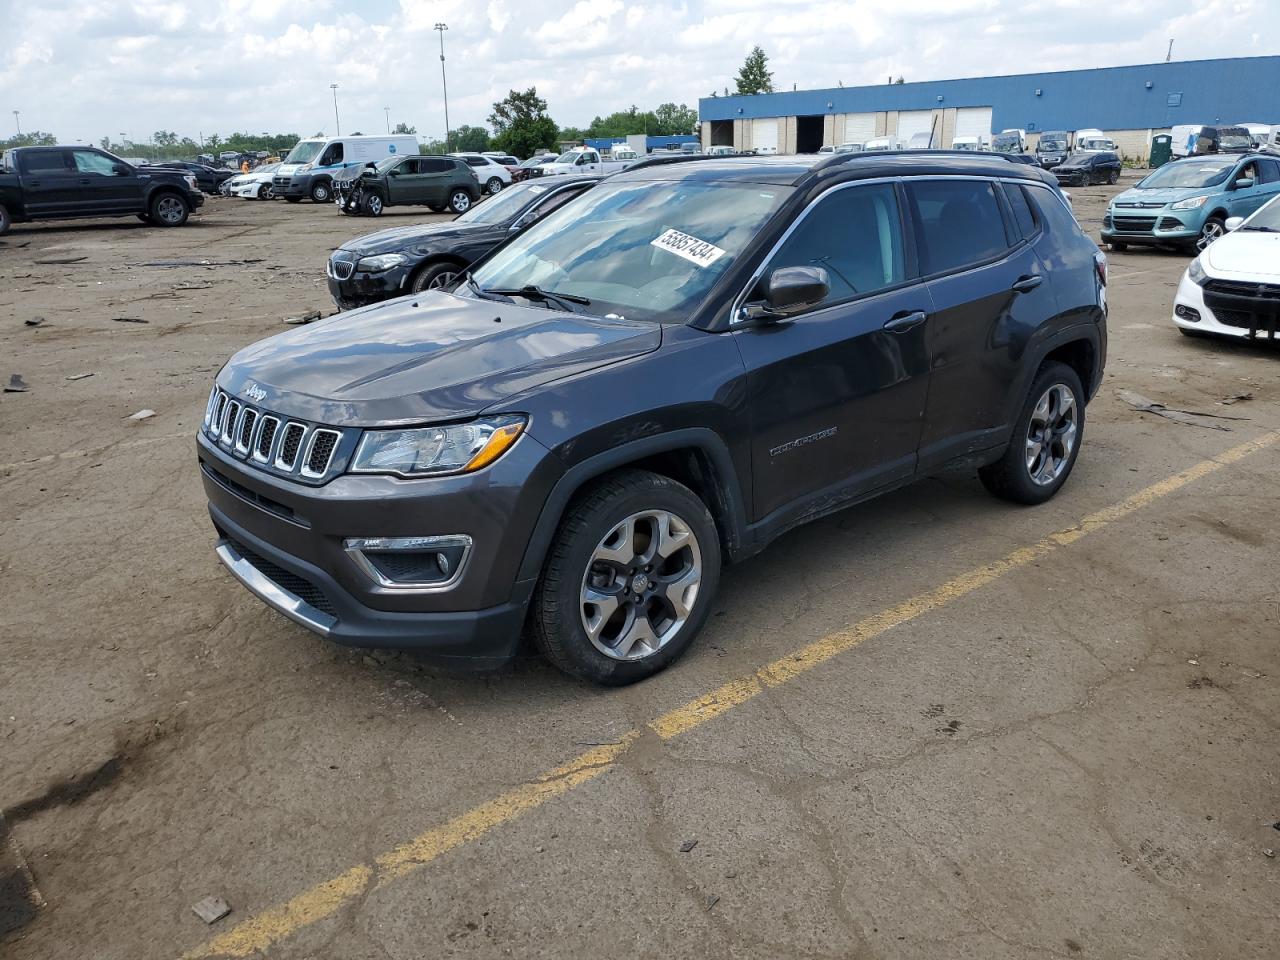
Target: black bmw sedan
(427,256)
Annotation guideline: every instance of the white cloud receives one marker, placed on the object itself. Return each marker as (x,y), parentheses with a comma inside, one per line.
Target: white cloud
(88,68)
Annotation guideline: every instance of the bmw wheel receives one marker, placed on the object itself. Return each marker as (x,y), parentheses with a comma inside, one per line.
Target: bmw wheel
(629,580)
(264,192)
(1046,439)
(436,276)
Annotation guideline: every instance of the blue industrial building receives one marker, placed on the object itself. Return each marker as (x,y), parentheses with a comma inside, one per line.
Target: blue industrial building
(1129,103)
(651,143)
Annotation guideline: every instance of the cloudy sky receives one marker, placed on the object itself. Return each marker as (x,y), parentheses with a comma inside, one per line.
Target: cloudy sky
(84,69)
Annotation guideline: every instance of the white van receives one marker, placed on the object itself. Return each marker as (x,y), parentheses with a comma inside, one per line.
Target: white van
(1093,140)
(967,143)
(309,168)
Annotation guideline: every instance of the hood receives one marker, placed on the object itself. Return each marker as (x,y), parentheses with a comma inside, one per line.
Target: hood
(1161,196)
(1244,255)
(401,238)
(430,358)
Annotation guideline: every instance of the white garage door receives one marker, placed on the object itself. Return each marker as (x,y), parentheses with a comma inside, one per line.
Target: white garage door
(911,122)
(859,127)
(764,134)
(973,122)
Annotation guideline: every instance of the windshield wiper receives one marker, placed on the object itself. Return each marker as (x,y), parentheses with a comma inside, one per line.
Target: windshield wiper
(475,288)
(533,292)
(1262,229)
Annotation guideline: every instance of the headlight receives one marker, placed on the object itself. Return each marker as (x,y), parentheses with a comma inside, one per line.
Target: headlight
(1192,203)
(435,451)
(1195,272)
(382,262)
(191,181)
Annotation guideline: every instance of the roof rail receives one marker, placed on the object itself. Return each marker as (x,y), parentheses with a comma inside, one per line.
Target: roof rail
(840,158)
(675,158)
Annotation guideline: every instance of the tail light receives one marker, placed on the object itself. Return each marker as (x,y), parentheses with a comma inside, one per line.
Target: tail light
(1100,264)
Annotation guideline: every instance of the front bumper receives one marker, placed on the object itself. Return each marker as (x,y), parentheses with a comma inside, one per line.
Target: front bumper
(297,185)
(295,561)
(1225,315)
(1151,226)
(361,288)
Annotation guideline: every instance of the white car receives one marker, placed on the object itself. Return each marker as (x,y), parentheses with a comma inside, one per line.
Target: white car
(254,185)
(492,175)
(586,161)
(1233,288)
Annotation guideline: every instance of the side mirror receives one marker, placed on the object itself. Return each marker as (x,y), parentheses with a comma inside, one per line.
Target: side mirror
(1233,223)
(1244,183)
(788,290)
(121,170)
(393,172)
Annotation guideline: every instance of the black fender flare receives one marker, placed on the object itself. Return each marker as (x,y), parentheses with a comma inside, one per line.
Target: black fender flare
(1087,331)
(731,511)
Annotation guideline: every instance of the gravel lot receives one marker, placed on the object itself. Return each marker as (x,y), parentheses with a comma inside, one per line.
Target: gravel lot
(1070,752)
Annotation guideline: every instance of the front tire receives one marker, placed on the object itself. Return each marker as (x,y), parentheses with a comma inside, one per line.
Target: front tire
(493,187)
(264,192)
(6,221)
(1212,229)
(1046,439)
(373,205)
(629,581)
(1113,177)
(435,276)
(169,210)
(321,192)
(460,201)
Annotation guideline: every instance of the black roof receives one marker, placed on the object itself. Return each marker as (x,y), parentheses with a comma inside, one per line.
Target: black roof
(801,170)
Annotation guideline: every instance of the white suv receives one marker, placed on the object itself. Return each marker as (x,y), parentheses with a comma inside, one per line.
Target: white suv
(492,175)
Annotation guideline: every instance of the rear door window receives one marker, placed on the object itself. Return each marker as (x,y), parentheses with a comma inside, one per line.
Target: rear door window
(1269,170)
(46,162)
(958,223)
(855,234)
(436,165)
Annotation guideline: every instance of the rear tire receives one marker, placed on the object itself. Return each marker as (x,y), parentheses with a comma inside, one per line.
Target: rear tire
(435,276)
(6,221)
(1113,177)
(460,201)
(1046,439)
(608,547)
(494,186)
(169,210)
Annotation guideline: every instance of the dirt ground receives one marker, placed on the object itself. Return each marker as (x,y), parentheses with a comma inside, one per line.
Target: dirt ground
(1071,752)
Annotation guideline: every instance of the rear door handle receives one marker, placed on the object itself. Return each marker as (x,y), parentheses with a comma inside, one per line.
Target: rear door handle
(906,320)
(1027,284)
(85,181)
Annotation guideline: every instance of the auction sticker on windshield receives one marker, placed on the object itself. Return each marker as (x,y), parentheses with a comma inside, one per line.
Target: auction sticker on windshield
(691,248)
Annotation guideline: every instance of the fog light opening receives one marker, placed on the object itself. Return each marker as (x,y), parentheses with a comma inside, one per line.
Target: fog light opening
(411,563)
(1189,314)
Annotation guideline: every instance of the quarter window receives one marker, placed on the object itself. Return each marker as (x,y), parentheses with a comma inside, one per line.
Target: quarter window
(1270,170)
(855,234)
(958,223)
(1022,214)
(1052,210)
(436,165)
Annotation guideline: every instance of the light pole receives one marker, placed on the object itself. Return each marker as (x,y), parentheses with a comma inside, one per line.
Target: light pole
(16,123)
(388,112)
(337,127)
(444,85)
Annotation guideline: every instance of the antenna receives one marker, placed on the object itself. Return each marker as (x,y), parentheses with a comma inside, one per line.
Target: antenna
(1169,56)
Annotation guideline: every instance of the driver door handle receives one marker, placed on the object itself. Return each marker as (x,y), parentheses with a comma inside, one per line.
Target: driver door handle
(1027,284)
(905,320)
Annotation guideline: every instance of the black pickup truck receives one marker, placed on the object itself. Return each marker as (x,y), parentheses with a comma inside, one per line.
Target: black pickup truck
(58,183)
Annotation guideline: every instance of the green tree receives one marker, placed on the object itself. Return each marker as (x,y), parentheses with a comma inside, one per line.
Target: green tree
(32,138)
(755,77)
(404,128)
(521,125)
(674,119)
(624,123)
(571,133)
(432,148)
(465,139)
(164,138)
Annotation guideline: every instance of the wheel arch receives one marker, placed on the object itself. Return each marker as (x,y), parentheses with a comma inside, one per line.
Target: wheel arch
(431,261)
(1079,346)
(695,456)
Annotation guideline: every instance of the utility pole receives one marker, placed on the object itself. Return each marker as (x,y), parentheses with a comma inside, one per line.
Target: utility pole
(388,112)
(1169,56)
(444,86)
(337,127)
(16,123)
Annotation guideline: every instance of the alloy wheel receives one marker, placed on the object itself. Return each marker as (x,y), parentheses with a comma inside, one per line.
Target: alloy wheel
(1210,232)
(494,186)
(641,585)
(170,209)
(442,280)
(461,202)
(1051,434)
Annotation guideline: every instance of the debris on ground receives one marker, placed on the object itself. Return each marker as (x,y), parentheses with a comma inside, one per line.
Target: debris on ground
(194,263)
(211,909)
(192,286)
(1187,417)
(1235,398)
(16,384)
(688,845)
(1269,853)
(20,899)
(129,320)
(34,321)
(307,317)
(55,261)
(142,415)
(79,376)
(712,901)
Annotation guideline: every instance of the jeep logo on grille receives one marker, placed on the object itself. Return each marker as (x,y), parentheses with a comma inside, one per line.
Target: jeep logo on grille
(255,393)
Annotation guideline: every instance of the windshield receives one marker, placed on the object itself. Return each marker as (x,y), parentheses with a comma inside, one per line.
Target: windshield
(641,250)
(1006,144)
(505,205)
(569,157)
(1079,159)
(305,151)
(1189,173)
(386,163)
(1268,218)
(1234,141)
(1055,145)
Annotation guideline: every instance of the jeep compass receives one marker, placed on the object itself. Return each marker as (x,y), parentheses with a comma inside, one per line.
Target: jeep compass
(663,375)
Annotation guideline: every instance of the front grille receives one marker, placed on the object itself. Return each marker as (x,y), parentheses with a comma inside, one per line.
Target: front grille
(323,443)
(258,500)
(1134,224)
(1140,205)
(1170,223)
(263,439)
(290,445)
(300,587)
(1249,306)
(341,269)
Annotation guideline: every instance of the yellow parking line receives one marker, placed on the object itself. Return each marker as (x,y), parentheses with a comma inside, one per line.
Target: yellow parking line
(273,925)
